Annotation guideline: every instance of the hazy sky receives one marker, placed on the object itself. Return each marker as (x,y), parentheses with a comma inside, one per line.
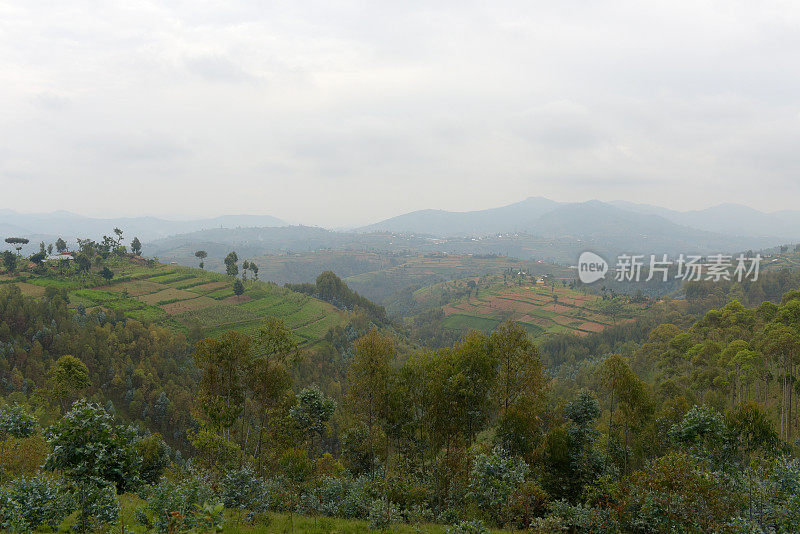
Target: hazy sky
(345,112)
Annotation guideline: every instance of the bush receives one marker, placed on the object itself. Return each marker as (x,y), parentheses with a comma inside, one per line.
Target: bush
(578,518)
(383,514)
(418,513)
(16,421)
(277,495)
(98,506)
(330,494)
(357,500)
(22,456)
(180,504)
(528,501)
(495,477)
(88,446)
(242,489)
(155,458)
(31,502)
(309,505)
(677,491)
(468,527)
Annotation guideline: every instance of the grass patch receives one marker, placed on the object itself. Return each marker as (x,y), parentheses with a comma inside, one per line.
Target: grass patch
(96,295)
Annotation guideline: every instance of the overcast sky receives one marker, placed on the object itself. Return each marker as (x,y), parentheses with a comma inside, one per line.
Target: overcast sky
(345,112)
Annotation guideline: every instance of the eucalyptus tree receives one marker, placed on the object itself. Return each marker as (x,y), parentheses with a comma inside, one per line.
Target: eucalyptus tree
(368,377)
(17,242)
(231,268)
(136,246)
(201,255)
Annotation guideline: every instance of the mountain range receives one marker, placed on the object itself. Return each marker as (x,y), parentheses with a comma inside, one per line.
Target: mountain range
(549,218)
(546,225)
(48,226)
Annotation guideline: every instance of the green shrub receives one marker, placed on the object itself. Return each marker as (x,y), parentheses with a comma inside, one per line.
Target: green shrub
(98,506)
(155,458)
(241,488)
(330,494)
(383,514)
(88,446)
(357,500)
(495,477)
(579,518)
(468,527)
(184,500)
(31,502)
(278,496)
(16,421)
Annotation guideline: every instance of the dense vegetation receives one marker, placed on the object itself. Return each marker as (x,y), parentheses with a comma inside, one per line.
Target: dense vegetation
(331,288)
(681,421)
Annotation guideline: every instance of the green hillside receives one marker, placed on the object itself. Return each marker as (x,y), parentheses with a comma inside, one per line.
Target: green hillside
(541,307)
(185,299)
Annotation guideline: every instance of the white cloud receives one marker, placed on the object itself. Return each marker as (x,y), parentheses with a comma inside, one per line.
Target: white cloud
(344,112)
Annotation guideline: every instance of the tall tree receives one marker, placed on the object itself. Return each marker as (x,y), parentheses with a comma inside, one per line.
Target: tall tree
(267,376)
(201,255)
(118,233)
(238,288)
(9,261)
(230,264)
(222,386)
(312,412)
(136,246)
(69,378)
(782,344)
(368,378)
(628,398)
(17,242)
(520,380)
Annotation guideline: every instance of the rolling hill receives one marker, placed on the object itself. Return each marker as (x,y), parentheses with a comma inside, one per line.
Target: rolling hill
(542,306)
(187,299)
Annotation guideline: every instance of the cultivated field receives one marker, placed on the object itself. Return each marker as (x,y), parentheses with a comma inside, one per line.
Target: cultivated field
(425,270)
(184,298)
(541,307)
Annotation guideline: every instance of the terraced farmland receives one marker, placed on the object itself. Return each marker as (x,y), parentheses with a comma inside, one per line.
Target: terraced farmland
(541,308)
(424,270)
(183,298)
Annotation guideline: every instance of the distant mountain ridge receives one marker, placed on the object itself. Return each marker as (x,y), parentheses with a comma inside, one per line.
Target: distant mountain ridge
(70,225)
(562,227)
(513,217)
(548,218)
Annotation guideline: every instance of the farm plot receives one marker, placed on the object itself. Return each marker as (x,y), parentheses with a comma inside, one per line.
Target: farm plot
(179,298)
(539,308)
(188,305)
(209,287)
(216,315)
(135,288)
(31,290)
(166,296)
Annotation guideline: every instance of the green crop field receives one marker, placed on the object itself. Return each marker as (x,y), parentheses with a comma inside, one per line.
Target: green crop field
(181,297)
(541,307)
(422,270)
